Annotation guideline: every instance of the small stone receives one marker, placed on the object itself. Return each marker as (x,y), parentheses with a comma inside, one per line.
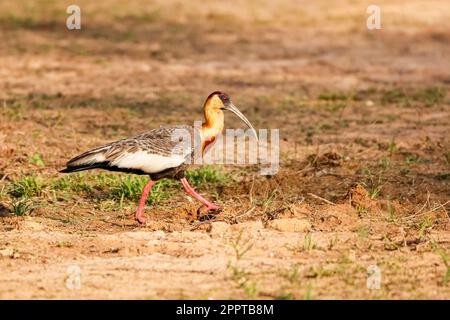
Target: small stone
(29,225)
(159,234)
(7,252)
(249,226)
(4,211)
(290,225)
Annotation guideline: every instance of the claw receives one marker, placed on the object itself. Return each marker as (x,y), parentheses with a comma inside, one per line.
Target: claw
(208,212)
(140,219)
(213,208)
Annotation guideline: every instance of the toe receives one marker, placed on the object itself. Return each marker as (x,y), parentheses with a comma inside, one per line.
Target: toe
(141,220)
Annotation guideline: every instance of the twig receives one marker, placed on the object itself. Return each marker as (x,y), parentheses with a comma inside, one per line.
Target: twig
(4,177)
(320,198)
(246,213)
(288,206)
(424,205)
(250,192)
(429,211)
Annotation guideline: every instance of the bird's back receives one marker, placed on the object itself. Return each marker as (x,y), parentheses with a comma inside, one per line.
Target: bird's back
(150,152)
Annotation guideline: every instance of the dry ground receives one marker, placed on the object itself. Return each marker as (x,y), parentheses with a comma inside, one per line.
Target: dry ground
(364,177)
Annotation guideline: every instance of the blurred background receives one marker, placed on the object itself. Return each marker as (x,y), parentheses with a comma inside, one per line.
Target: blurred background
(268,56)
(142,49)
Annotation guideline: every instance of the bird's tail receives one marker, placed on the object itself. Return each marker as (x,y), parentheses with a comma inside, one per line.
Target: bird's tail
(91,159)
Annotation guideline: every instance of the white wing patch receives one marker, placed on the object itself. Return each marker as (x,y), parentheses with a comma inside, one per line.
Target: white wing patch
(147,162)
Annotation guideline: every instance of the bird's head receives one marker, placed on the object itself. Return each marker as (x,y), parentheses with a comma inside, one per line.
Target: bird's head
(219,101)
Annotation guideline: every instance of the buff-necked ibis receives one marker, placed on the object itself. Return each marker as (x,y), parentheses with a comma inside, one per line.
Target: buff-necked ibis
(161,153)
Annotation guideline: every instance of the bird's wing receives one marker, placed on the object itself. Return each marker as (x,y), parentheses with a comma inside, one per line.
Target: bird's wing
(150,152)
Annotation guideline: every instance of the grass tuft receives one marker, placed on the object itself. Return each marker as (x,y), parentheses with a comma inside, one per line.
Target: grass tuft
(75,182)
(22,208)
(36,159)
(430,96)
(27,187)
(395,96)
(131,188)
(445,260)
(205,174)
(333,96)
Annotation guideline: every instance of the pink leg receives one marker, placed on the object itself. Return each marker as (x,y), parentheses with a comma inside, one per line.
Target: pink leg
(141,205)
(191,191)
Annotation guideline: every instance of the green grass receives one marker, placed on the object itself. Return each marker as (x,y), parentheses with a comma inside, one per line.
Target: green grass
(241,245)
(392,147)
(130,188)
(396,96)
(241,277)
(307,295)
(391,212)
(411,158)
(424,225)
(27,186)
(363,231)
(205,174)
(116,187)
(36,160)
(447,157)
(333,96)
(405,98)
(73,183)
(308,243)
(430,96)
(22,208)
(361,210)
(336,106)
(292,274)
(443,176)
(384,163)
(63,244)
(285,296)
(374,192)
(445,260)
(286,103)
(303,245)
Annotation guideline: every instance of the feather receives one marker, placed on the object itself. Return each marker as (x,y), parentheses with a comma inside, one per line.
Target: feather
(150,152)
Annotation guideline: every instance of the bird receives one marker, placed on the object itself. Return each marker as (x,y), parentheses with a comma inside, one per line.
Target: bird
(164,152)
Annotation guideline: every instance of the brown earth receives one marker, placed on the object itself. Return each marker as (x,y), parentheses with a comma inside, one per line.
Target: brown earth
(364,179)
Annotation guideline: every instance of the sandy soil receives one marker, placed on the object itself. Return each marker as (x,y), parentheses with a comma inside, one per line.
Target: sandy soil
(364,179)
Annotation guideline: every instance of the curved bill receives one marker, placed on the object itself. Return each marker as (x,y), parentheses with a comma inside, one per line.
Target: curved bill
(231,107)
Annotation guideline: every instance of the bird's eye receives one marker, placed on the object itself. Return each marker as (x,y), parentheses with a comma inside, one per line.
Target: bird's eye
(224,99)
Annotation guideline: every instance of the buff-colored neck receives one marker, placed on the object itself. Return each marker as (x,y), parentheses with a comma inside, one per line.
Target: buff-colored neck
(214,120)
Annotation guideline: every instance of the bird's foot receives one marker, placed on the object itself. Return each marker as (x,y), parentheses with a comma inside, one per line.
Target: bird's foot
(208,212)
(213,207)
(139,218)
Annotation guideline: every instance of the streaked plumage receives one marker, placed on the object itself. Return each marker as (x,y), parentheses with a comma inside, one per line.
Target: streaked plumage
(160,153)
(164,152)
